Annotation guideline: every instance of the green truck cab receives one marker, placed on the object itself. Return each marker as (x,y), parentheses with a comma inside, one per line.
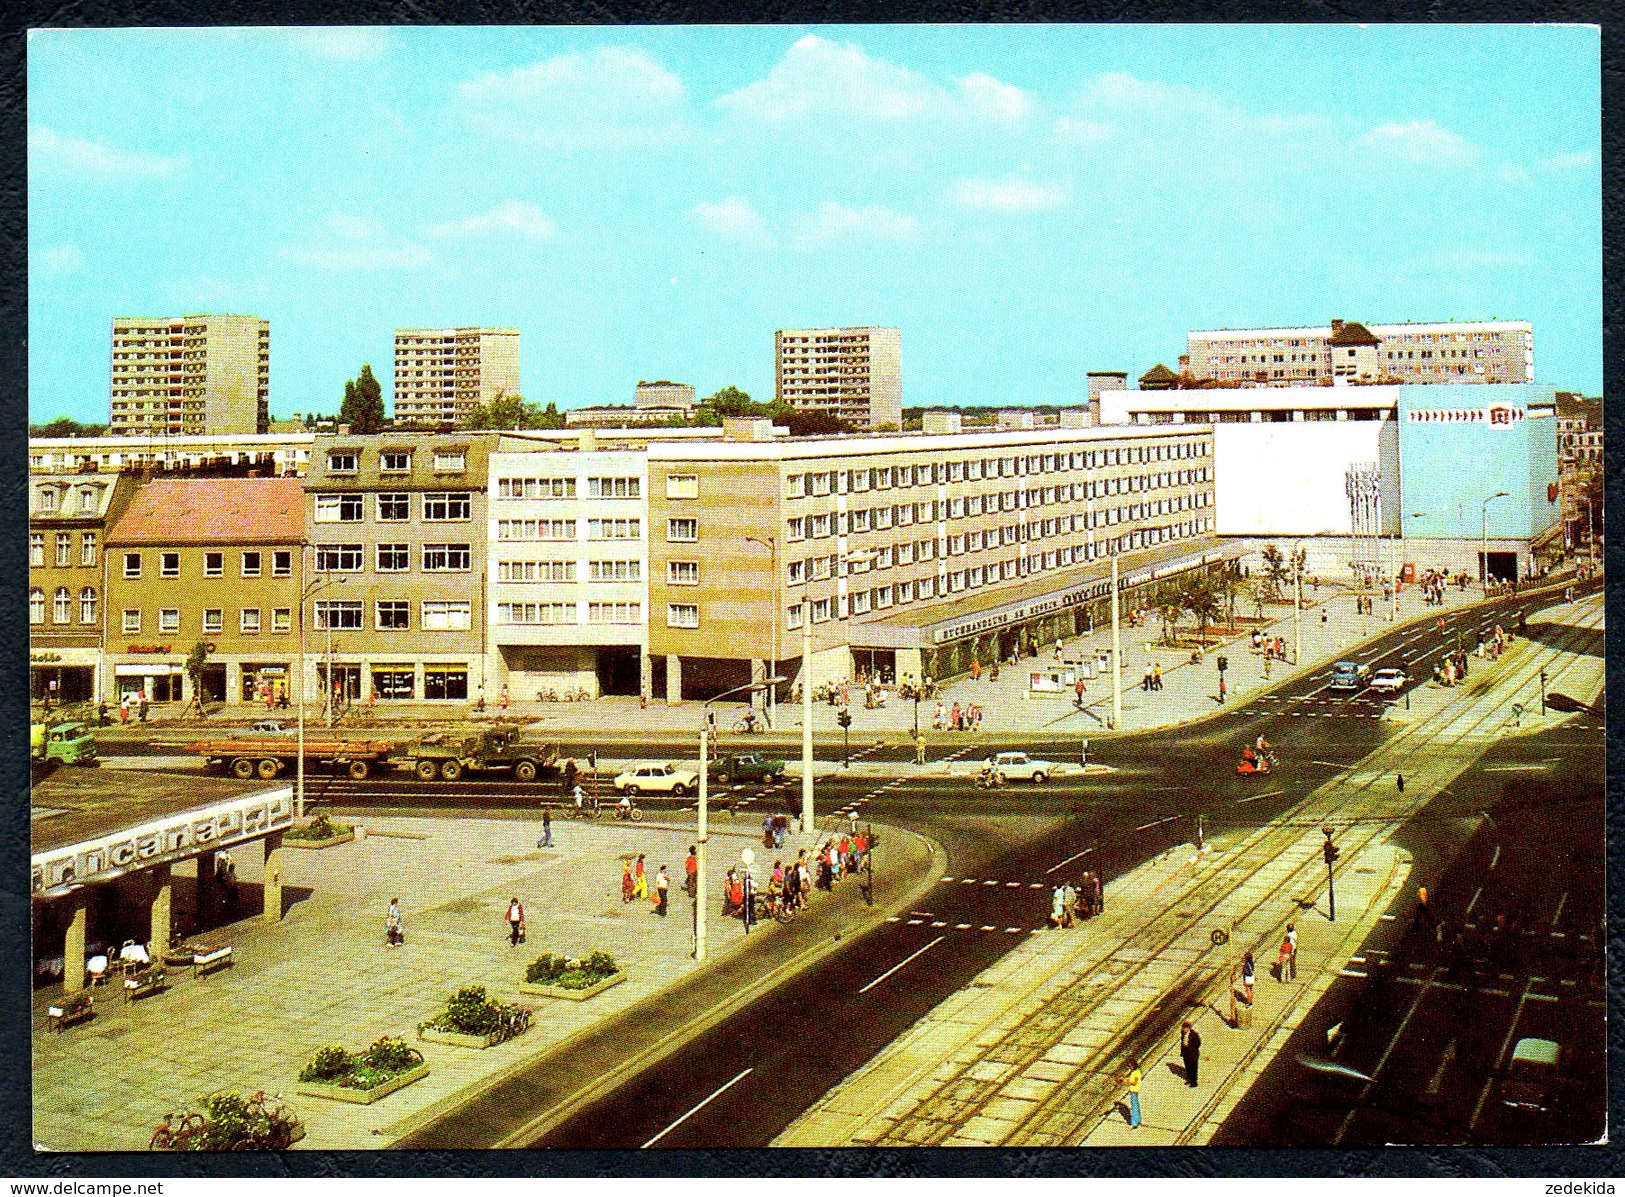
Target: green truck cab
(746,766)
(448,756)
(65,743)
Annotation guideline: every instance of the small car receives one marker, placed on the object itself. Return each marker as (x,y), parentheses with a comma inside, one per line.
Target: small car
(1349,675)
(1531,1075)
(640,778)
(1018,766)
(1388,681)
(268,727)
(746,766)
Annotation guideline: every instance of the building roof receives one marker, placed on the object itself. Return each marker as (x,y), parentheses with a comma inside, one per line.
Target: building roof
(213,511)
(1574,406)
(1352,333)
(1158,373)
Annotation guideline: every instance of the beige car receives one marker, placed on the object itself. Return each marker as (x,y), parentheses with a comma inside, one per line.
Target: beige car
(643,778)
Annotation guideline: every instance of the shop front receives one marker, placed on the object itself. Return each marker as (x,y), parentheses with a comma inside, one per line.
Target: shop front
(260,679)
(155,680)
(64,675)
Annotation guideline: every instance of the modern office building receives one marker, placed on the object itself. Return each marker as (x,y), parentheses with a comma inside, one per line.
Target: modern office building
(1421,465)
(912,554)
(1346,351)
(567,562)
(855,374)
(664,394)
(68,519)
(212,560)
(442,374)
(190,375)
(397,569)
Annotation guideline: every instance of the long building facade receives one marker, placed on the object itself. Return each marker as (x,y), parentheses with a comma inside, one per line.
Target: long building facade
(854,374)
(1488,351)
(190,375)
(442,374)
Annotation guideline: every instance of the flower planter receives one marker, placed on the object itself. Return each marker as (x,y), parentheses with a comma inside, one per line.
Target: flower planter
(458,1039)
(364,1097)
(331,841)
(572,995)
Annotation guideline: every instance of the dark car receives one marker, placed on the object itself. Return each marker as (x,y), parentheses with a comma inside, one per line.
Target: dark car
(746,766)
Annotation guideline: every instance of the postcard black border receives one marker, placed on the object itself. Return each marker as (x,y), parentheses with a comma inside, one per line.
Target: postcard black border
(17,1157)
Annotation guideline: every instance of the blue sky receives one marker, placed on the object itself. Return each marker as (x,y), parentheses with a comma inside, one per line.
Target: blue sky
(1027,203)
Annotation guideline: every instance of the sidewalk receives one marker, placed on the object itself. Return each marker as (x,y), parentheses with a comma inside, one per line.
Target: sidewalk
(1188,690)
(1030,1053)
(323,975)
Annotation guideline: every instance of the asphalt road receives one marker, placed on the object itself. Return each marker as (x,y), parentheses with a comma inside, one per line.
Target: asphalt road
(746,1079)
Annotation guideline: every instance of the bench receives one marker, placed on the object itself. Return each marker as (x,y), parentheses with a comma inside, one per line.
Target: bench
(144,984)
(208,959)
(65,1013)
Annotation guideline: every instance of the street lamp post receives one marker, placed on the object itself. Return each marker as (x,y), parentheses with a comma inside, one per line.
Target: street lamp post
(1484,539)
(1117,656)
(807,816)
(771,545)
(306,589)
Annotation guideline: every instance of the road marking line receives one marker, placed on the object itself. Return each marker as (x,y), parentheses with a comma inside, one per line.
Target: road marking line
(939,924)
(1560,904)
(990,883)
(915,922)
(1474,902)
(1257,797)
(989,928)
(1156,823)
(947,878)
(1352,972)
(1068,861)
(967,881)
(697,1109)
(961,926)
(1495,859)
(900,964)
(1012,885)
(894,918)
(1543,997)
(1036,885)
(1017,931)
(1331,764)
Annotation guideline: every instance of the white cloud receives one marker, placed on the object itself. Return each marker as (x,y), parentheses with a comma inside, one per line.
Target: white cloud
(609,97)
(1004,195)
(1579,160)
(83,156)
(1422,143)
(735,219)
(837,222)
(347,43)
(818,77)
(354,228)
(62,259)
(513,216)
(1511,172)
(992,99)
(1079,130)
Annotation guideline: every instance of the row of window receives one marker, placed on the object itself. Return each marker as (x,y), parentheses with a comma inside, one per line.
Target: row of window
(394,558)
(568,613)
(678,486)
(880,519)
(394,615)
(62,605)
(53,499)
(251,564)
(565,571)
(395,461)
(394,506)
(827,482)
(213,620)
(64,548)
(516,530)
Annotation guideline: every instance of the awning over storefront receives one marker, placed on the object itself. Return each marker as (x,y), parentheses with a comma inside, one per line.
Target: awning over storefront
(148,669)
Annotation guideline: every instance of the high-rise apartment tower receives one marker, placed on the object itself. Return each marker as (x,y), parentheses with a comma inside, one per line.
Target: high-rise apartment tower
(190,375)
(442,374)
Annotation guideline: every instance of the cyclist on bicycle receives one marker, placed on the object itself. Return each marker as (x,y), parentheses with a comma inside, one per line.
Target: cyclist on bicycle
(580,797)
(747,722)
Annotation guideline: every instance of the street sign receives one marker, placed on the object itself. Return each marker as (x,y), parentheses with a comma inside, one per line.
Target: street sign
(1219,936)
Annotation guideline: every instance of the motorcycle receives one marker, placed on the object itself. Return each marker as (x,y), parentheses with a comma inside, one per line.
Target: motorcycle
(629,813)
(990,779)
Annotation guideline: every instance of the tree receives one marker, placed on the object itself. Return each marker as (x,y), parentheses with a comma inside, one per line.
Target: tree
(195,662)
(816,423)
(1199,594)
(1275,571)
(363,406)
(731,401)
(66,426)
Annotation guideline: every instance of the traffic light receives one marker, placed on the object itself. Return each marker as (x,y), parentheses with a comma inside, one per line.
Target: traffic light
(844,718)
(1331,851)
(1224,663)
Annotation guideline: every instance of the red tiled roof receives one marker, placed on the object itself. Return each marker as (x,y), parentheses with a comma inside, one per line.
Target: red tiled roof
(213,511)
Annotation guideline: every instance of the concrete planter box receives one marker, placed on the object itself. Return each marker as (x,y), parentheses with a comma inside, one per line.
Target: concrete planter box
(331,841)
(458,1039)
(364,1097)
(572,995)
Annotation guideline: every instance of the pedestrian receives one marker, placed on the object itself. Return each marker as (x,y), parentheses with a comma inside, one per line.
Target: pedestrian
(1267,663)
(1323,617)
(976,717)
(1249,976)
(1190,1051)
(547,829)
(919,749)
(1131,1082)
(141,704)
(1058,650)
(1283,959)
(1078,691)
(691,874)
(937,717)
(662,889)
(1145,680)
(1098,897)
(976,669)
(504,698)
(570,772)
(626,880)
(640,882)
(394,933)
(1156,677)
(1057,908)
(516,923)
(1069,905)
(1292,956)
(956,718)
(643,699)
(1221,688)
(124,710)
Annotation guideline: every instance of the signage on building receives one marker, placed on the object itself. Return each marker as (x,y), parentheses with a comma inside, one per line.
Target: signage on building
(146,648)
(37,658)
(162,841)
(1497,415)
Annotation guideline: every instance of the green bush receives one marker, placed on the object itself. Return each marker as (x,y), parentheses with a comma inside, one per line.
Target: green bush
(320,827)
(389,1054)
(548,969)
(236,1123)
(326,1064)
(545,968)
(601,963)
(470,1012)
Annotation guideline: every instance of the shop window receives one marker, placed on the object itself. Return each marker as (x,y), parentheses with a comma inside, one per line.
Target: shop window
(448,682)
(394,683)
